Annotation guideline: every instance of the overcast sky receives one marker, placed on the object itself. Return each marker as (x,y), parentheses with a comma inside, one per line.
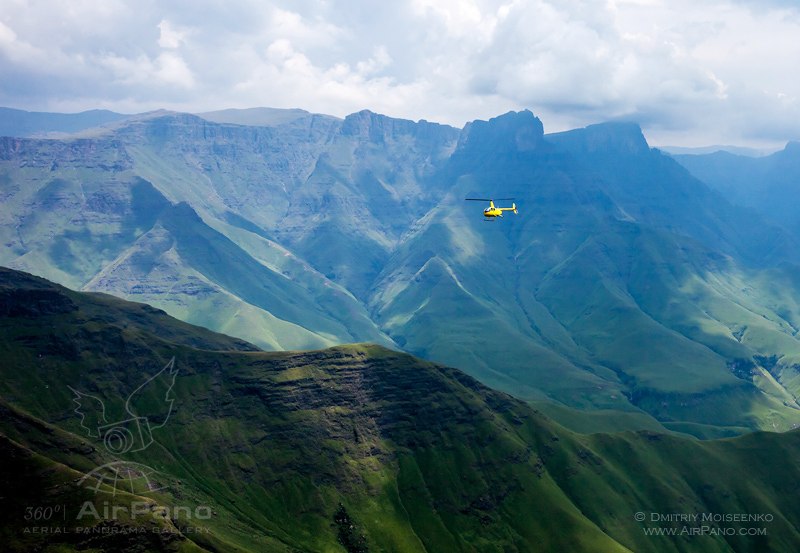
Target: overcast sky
(690,72)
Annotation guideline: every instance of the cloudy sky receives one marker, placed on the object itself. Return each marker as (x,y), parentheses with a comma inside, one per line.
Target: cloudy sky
(690,72)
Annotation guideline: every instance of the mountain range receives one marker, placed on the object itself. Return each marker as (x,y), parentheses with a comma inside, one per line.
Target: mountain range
(766,184)
(355,449)
(626,286)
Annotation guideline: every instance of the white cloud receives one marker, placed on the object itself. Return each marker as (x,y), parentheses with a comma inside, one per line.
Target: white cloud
(7,35)
(170,37)
(379,61)
(721,71)
(311,32)
(170,68)
(459,18)
(166,69)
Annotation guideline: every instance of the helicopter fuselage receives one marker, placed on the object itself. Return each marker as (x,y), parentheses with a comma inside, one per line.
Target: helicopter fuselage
(493,211)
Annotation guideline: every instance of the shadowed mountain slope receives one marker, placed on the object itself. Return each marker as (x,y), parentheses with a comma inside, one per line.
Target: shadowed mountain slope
(768,184)
(355,448)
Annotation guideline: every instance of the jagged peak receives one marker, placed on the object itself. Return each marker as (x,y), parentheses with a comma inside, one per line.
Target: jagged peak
(611,137)
(515,131)
(792,147)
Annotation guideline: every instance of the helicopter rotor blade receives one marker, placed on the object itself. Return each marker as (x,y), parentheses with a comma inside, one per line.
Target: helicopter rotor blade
(487,199)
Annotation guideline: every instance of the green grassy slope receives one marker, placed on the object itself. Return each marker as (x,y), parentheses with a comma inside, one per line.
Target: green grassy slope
(80,215)
(355,448)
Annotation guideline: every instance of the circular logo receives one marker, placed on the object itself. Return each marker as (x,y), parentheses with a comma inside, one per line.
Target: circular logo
(123,476)
(118,440)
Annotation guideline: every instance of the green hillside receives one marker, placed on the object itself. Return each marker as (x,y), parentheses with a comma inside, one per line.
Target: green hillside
(355,448)
(101,227)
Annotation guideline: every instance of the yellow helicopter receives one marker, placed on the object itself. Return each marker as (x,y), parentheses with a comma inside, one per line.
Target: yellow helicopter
(492,211)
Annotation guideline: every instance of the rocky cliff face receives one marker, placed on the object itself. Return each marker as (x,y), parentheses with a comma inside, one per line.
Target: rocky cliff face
(98,154)
(380,129)
(512,132)
(606,138)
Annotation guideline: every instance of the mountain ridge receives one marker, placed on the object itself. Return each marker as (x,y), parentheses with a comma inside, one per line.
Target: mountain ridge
(21,123)
(621,273)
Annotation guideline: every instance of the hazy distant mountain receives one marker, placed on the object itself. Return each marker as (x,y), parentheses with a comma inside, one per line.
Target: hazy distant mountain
(255,117)
(15,122)
(737,150)
(354,449)
(770,185)
(624,284)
